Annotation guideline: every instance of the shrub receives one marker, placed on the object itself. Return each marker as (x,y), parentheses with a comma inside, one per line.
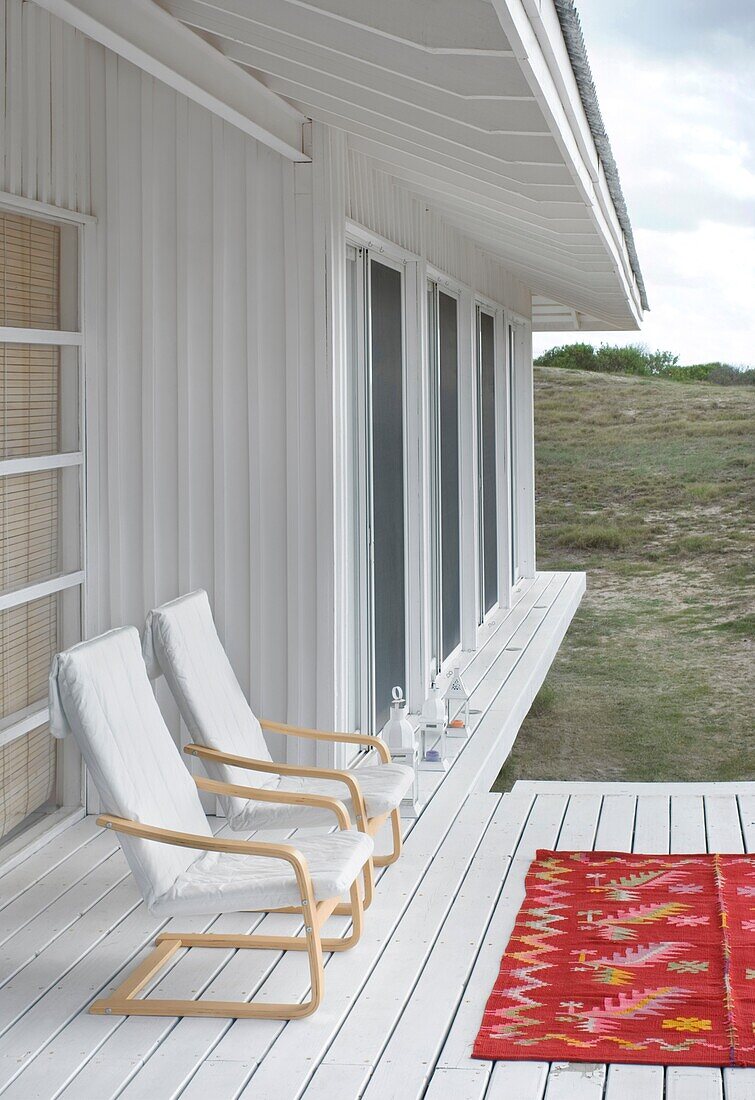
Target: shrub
(637,359)
(570,357)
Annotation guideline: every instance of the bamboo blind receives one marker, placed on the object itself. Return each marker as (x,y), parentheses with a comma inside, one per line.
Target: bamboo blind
(29,272)
(29,400)
(29,505)
(28,637)
(27,777)
(28,527)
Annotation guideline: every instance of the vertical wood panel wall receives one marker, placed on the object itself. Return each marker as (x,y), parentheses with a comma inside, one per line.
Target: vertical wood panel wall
(378,202)
(192,397)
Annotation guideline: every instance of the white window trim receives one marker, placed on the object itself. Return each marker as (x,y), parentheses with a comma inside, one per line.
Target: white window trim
(71,783)
(61,337)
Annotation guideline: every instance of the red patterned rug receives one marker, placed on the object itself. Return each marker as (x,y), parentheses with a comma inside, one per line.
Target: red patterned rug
(629,958)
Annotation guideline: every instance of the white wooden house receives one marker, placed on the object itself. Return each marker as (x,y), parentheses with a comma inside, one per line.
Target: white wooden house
(269,271)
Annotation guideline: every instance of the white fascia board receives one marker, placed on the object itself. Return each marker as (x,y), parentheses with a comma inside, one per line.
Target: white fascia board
(544,19)
(566,124)
(150,38)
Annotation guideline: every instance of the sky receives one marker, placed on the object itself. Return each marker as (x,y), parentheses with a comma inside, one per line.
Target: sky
(676,85)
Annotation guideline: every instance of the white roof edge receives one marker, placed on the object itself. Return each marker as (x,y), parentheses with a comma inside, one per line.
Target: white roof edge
(534,31)
(576,49)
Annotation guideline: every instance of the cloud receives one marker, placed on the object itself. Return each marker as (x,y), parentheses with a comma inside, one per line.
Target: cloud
(684,140)
(674,81)
(705,29)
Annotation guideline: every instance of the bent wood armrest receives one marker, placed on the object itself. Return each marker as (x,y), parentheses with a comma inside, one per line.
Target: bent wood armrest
(275,768)
(264,794)
(286,852)
(375,743)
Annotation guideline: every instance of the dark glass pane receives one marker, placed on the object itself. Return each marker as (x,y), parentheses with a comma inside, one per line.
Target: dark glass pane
(488,502)
(449,471)
(387,484)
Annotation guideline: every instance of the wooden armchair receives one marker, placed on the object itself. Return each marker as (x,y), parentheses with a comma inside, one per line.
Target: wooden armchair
(99,692)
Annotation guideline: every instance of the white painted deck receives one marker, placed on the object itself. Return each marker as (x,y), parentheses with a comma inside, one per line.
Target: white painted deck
(402,1009)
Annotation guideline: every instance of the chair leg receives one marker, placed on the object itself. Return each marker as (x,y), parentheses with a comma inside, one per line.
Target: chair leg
(345,908)
(385,861)
(355,909)
(124,1001)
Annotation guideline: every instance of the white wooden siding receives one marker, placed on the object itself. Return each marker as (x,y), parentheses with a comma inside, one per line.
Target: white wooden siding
(202,460)
(215,328)
(379,202)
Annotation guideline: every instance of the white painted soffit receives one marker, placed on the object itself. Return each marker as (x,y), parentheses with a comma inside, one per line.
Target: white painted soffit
(154,41)
(550,316)
(458,102)
(534,30)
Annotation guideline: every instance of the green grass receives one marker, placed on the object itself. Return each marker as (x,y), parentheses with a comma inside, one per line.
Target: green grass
(648,485)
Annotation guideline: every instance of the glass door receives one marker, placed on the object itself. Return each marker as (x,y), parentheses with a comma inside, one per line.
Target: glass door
(375,343)
(387,534)
(445,556)
(486,464)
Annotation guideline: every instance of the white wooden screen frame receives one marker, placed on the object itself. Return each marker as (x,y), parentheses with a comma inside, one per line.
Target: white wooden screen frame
(71,779)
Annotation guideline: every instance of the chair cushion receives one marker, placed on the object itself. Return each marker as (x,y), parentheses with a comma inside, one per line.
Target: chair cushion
(383,787)
(181,641)
(102,687)
(220,882)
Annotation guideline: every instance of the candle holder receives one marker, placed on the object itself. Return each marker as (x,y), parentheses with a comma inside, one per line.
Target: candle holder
(457,701)
(398,734)
(433,732)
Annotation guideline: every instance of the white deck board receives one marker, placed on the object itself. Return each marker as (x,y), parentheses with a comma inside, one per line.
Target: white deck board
(401,1011)
(634,1082)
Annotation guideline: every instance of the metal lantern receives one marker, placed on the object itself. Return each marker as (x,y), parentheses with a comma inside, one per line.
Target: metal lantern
(399,736)
(457,700)
(432,732)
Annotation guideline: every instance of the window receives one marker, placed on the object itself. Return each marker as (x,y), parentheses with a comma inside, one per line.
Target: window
(443,310)
(41,489)
(486,463)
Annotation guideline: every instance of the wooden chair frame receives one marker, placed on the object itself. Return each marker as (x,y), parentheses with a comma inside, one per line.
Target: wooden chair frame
(365,824)
(124,1001)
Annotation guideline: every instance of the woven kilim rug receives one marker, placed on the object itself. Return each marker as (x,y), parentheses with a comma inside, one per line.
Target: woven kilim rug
(629,958)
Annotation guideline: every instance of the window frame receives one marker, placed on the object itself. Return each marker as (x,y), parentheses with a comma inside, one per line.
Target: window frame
(70,778)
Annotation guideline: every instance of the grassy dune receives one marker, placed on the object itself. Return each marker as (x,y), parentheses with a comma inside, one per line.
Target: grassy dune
(649,486)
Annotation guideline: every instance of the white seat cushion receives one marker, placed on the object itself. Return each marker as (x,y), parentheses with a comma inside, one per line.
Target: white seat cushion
(383,787)
(220,882)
